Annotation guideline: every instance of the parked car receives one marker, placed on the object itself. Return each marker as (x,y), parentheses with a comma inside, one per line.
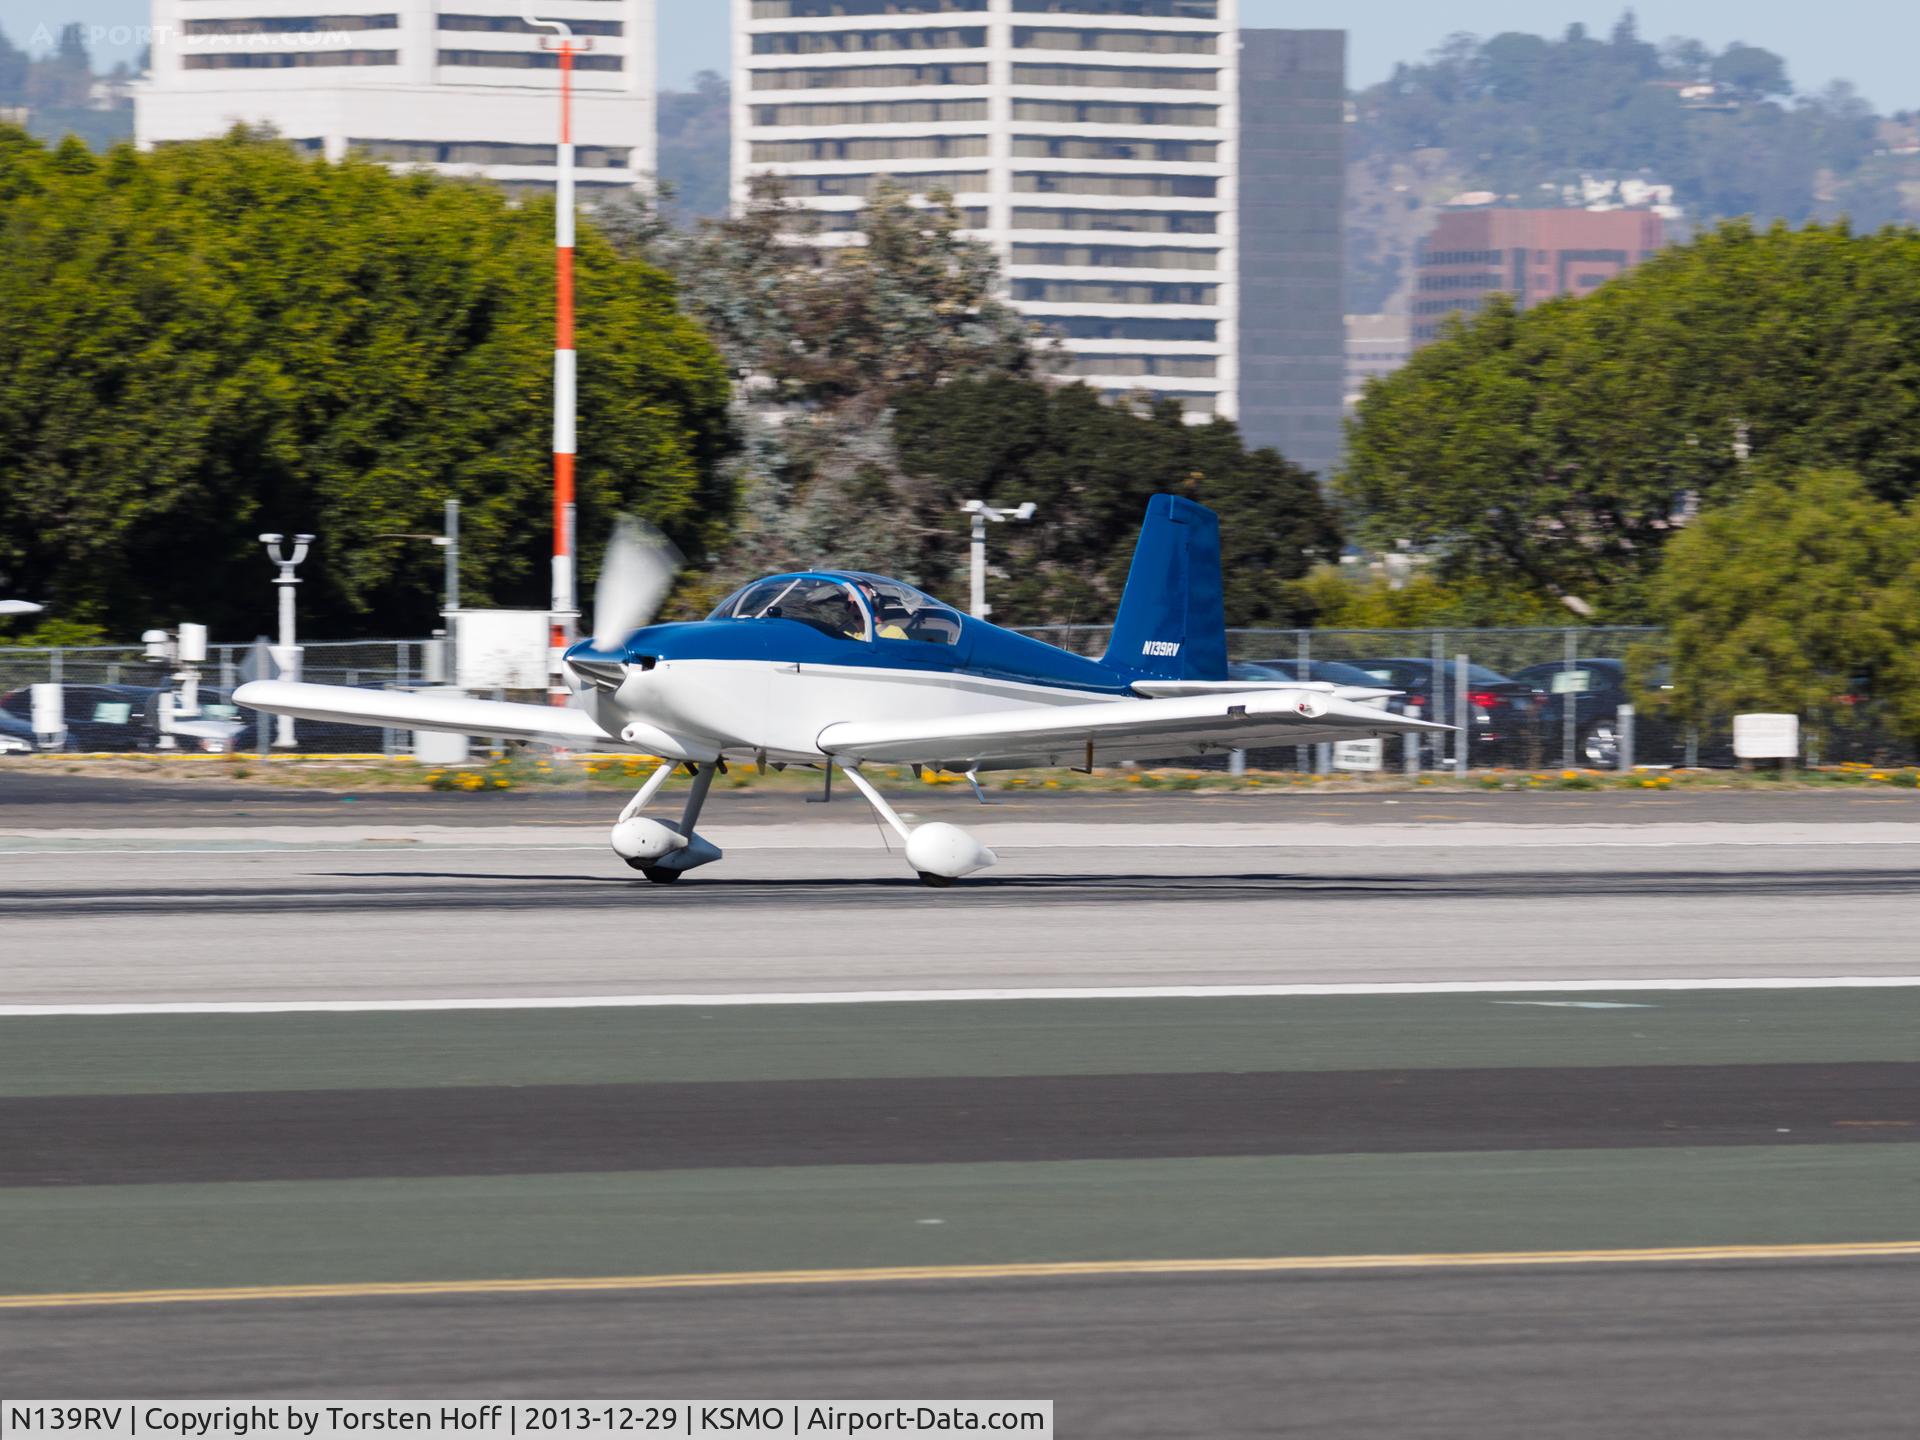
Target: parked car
(1332,672)
(1500,709)
(98,717)
(1596,689)
(16,735)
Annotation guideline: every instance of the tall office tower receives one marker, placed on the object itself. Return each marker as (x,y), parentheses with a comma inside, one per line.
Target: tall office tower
(1091,142)
(462,87)
(1532,255)
(1293,340)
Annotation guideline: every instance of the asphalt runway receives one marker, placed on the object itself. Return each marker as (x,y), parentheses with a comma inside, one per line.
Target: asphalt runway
(476,912)
(227,1060)
(1766,1351)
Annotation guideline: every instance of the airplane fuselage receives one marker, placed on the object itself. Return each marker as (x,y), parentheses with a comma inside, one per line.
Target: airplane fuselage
(775,685)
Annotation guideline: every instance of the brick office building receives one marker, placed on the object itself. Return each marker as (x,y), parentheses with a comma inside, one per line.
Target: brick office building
(1532,255)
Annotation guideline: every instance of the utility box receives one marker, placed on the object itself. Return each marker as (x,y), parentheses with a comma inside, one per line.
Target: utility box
(438,747)
(500,649)
(1766,737)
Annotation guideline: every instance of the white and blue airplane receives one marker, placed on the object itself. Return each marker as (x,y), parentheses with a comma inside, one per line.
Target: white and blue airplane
(841,669)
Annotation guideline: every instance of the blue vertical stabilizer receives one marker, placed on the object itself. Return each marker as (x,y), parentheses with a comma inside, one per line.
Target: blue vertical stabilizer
(1172,623)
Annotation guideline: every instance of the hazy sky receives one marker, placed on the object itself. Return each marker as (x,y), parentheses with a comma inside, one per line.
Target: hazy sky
(1873,43)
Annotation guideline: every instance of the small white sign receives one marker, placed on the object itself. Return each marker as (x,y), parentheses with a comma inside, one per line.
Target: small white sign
(1359,754)
(1766,737)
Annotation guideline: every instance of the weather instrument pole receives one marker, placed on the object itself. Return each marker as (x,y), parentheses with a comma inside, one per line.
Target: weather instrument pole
(982,512)
(565,606)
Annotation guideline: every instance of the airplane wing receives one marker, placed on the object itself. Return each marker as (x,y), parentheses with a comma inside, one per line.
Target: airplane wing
(559,725)
(1112,730)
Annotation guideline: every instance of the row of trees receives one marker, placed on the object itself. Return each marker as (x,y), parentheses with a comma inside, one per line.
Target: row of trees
(205,341)
(1725,442)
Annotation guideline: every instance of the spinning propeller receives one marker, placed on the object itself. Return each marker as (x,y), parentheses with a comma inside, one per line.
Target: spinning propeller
(634,578)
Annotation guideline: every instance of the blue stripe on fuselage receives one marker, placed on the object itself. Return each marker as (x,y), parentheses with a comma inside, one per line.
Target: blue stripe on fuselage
(984,650)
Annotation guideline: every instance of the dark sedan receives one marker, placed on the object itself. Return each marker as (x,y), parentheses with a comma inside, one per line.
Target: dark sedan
(1499,708)
(98,717)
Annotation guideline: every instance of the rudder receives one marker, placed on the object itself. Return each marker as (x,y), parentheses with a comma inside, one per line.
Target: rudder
(1172,623)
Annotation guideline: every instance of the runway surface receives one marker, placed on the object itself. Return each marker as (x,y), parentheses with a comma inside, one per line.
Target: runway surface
(1778,1351)
(158,1134)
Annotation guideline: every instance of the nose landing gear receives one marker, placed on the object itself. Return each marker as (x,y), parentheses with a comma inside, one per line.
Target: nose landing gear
(664,850)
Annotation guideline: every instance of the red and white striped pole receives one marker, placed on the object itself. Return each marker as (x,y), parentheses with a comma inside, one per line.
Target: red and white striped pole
(565,604)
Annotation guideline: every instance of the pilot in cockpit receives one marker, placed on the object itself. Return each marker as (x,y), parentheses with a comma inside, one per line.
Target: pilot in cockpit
(885,623)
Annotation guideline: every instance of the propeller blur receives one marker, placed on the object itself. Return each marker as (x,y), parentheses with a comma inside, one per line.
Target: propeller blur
(839,669)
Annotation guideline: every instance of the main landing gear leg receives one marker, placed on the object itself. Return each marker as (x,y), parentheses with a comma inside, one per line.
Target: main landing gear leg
(939,853)
(663,850)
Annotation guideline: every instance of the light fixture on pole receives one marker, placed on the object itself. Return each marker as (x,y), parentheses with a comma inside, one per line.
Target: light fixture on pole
(982,513)
(448,543)
(286,655)
(564,606)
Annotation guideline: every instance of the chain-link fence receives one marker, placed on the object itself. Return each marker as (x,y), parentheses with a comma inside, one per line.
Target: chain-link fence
(1521,697)
(111,693)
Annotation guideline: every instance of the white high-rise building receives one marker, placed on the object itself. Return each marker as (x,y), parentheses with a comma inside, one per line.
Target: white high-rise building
(462,87)
(1092,142)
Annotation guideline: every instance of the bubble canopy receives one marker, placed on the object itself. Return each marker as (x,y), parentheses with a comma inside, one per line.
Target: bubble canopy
(847,605)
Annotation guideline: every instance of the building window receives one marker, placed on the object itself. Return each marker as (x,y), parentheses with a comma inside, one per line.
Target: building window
(838,42)
(1186,367)
(291,25)
(512,25)
(1460,257)
(1460,282)
(854,77)
(811,9)
(291,59)
(953,182)
(1114,292)
(1194,402)
(896,147)
(1129,257)
(527,60)
(848,222)
(1113,112)
(1106,77)
(871,112)
(1101,327)
(1073,147)
(1048,183)
(1145,222)
(1138,42)
(1150,9)
(487,152)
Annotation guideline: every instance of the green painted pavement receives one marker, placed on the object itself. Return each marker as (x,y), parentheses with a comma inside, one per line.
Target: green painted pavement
(151,1236)
(87,1055)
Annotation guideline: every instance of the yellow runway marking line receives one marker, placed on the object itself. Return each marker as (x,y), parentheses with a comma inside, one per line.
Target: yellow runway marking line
(1066,1269)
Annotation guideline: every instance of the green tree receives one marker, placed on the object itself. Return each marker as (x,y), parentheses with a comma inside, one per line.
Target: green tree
(1560,450)
(1798,595)
(209,340)
(823,338)
(1090,466)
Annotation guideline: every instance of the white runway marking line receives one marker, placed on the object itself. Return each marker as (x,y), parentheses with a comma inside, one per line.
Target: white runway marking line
(923,997)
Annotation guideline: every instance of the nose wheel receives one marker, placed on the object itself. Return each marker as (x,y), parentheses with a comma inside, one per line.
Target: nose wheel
(658,874)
